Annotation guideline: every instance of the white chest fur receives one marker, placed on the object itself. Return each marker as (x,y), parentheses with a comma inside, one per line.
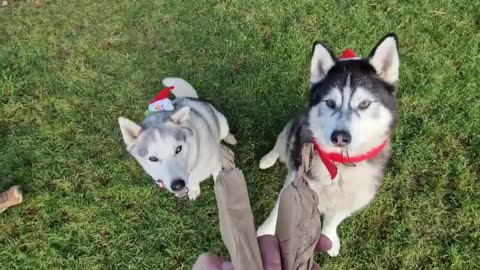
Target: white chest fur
(352,189)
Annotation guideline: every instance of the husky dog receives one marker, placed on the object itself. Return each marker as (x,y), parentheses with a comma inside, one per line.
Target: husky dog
(179,148)
(351,115)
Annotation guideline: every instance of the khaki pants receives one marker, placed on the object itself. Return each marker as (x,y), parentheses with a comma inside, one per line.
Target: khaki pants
(298,224)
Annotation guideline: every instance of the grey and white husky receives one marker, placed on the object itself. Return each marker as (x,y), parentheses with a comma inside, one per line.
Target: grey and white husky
(179,148)
(351,115)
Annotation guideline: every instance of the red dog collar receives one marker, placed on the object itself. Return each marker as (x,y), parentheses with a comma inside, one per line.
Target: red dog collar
(329,159)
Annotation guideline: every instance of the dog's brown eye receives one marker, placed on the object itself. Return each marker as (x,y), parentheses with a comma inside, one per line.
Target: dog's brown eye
(178,150)
(153,159)
(364,104)
(330,103)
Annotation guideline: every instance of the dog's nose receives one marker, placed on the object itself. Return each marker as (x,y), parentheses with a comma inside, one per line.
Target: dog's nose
(178,185)
(341,138)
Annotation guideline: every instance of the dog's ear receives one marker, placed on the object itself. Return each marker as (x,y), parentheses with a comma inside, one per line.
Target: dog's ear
(322,61)
(130,130)
(385,58)
(181,116)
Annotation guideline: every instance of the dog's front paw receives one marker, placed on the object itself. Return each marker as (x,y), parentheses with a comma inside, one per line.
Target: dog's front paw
(268,160)
(335,250)
(193,193)
(230,139)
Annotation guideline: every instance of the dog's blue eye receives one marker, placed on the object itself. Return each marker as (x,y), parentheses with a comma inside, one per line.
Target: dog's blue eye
(153,159)
(330,103)
(364,104)
(178,150)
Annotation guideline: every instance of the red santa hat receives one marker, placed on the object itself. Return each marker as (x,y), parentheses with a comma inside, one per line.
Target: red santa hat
(348,54)
(161,102)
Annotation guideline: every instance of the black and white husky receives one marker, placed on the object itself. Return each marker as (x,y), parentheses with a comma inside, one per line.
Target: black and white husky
(179,148)
(351,115)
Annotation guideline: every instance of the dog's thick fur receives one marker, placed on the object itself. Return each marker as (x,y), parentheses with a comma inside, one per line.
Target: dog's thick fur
(179,145)
(345,84)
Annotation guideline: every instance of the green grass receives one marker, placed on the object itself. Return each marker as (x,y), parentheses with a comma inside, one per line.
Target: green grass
(68,69)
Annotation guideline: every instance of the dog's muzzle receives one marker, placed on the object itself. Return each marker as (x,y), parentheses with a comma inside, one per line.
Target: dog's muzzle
(180,194)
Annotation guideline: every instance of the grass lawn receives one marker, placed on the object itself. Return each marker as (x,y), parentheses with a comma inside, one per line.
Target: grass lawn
(68,69)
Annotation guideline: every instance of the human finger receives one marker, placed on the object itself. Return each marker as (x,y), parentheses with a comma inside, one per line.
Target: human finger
(270,251)
(211,262)
(324,244)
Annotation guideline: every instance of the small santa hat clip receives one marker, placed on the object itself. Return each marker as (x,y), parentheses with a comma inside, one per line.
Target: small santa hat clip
(348,54)
(161,102)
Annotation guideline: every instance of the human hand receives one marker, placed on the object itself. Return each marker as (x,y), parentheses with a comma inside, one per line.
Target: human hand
(269,249)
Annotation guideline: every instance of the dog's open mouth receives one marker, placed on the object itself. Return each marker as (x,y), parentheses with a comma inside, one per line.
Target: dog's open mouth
(182,193)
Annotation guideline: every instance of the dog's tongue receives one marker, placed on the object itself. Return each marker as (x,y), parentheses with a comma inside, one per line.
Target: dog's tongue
(161,184)
(182,193)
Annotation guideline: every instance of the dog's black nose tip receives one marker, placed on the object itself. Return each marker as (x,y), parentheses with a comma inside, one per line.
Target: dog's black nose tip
(177,185)
(341,138)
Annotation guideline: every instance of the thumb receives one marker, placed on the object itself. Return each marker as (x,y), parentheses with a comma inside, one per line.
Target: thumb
(324,244)
(270,252)
(315,266)
(210,262)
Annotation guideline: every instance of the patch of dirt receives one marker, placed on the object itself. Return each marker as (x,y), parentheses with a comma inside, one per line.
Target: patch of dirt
(106,45)
(39,3)
(65,53)
(78,27)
